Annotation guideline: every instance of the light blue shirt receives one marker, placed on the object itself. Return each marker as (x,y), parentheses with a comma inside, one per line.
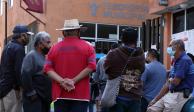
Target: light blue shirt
(153,79)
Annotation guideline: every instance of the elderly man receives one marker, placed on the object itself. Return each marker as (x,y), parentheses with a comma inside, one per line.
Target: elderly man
(36,85)
(11,61)
(180,84)
(69,64)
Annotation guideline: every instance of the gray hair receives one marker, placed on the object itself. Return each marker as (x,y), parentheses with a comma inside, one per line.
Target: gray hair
(41,36)
(178,43)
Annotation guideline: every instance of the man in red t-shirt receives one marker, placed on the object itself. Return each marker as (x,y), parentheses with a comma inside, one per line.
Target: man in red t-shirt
(69,64)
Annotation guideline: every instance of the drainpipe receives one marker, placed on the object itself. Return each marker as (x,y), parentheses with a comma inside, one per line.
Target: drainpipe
(5,42)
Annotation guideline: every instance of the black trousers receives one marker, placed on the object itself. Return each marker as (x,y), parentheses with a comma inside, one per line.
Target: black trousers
(144,104)
(62,105)
(37,105)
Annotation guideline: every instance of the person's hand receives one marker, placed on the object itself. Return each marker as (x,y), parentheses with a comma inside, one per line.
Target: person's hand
(67,84)
(152,102)
(170,80)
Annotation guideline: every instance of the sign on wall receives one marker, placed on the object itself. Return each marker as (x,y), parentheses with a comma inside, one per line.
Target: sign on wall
(189,46)
(119,10)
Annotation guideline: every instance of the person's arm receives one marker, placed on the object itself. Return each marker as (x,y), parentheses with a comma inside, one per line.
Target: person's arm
(19,56)
(67,84)
(145,75)
(90,67)
(162,92)
(96,75)
(180,73)
(82,75)
(26,76)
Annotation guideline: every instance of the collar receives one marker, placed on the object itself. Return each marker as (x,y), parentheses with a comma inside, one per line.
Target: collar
(182,54)
(71,38)
(130,49)
(15,41)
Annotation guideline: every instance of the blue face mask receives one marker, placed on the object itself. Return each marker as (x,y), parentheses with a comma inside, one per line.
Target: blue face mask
(170,51)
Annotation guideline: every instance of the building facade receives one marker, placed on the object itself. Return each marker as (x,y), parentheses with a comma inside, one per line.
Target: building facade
(104,18)
(177,22)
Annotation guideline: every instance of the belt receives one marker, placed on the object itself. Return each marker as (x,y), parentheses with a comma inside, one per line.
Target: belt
(176,91)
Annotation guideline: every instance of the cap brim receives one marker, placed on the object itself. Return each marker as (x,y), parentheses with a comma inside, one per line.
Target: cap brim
(30,33)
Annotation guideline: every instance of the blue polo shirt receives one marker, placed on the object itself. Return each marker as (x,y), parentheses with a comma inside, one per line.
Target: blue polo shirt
(183,70)
(153,79)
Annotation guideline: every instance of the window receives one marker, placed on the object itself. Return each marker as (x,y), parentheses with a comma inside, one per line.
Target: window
(89,31)
(10,3)
(190,16)
(33,28)
(107,31)
(178,22)
(103,47)
(1,7)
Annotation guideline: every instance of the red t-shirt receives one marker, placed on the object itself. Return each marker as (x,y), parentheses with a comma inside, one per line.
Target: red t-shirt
(68,58)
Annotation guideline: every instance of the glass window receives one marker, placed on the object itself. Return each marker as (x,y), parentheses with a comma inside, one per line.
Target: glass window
(190,18)
(10,3)
(178,22)
(107,31)
(124,27)
(89,31)
(1,7)
(33,28)
(103,46)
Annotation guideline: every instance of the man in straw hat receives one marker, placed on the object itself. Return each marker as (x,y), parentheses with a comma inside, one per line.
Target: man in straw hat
(69,64)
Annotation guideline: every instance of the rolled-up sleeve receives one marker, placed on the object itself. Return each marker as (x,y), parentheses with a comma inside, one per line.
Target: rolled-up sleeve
(48,66)
(92,59)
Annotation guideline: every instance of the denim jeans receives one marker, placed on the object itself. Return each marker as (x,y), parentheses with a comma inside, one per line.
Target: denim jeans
(126,106)
(62,105)
(144,104)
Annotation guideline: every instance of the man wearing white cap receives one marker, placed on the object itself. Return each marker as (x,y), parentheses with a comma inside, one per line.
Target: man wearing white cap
(11,61)
(69,64)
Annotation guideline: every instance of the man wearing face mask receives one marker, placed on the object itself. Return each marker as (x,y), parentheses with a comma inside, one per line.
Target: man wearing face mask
(180,83)
(11,61)
(37,86)
(153,78)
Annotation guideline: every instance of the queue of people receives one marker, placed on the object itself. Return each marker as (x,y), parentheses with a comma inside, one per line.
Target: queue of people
(60,74)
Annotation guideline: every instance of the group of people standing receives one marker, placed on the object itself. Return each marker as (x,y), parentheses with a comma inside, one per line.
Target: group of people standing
(148,87)
(60,74)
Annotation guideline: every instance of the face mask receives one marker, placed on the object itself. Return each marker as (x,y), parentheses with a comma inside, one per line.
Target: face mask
(170,51)
(45,50)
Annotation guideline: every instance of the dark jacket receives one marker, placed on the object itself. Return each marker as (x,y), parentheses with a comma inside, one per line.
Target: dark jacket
(33,78)
(115,63)
(11,61)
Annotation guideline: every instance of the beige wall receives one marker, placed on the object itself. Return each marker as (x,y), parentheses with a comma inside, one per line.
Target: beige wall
(94,11)
(122,12)
(154,6)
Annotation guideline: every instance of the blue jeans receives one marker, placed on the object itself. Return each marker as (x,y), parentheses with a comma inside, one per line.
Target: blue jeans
(144,104)
(126,106)
(62,105)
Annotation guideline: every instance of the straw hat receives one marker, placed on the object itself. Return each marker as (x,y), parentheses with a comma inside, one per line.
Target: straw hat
(71,25)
